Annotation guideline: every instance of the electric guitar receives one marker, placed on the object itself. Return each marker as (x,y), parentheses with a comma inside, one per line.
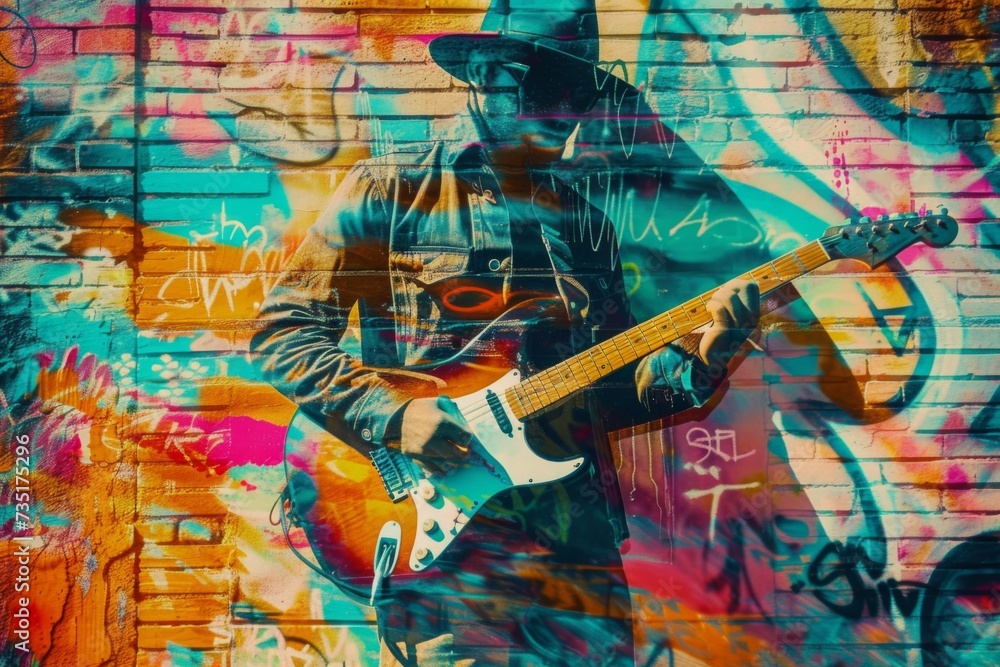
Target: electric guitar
(369,517)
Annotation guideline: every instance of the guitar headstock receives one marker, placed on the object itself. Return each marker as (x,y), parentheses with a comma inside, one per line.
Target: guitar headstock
(875,241)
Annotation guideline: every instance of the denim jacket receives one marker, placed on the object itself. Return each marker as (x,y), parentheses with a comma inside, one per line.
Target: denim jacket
(397,226)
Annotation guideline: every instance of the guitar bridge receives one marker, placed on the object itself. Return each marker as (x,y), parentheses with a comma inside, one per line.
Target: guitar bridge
(394,471)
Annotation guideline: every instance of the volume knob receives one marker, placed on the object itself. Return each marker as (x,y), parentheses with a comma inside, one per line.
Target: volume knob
(427,491)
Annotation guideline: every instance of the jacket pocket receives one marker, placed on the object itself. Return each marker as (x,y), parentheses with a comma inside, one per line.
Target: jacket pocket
(421,280)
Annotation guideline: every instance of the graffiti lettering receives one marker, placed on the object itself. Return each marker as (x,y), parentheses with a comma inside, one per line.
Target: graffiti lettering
(700,438)
(716,493)
(209,288)
(843,567)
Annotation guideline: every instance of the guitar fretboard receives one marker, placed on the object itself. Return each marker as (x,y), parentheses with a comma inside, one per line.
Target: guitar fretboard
(582,370)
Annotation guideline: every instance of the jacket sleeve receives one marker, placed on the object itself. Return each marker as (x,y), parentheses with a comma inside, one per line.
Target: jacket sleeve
(679,382)
(676,371)
(305,317)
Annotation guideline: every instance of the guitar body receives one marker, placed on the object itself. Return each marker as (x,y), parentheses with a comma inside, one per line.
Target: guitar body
(368,515)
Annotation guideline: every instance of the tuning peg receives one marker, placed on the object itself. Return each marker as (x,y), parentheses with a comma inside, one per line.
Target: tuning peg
(941,223)
(865,220)
(944,211)
(883,218)
(872,246)
(893,228)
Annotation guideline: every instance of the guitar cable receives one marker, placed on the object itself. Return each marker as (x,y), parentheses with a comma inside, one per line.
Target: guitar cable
(352,592)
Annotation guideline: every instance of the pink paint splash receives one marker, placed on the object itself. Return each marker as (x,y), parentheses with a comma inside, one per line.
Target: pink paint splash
(841,176)
(875,211)
(255,441)
(956,476)
(955,421)
(217,446)
(45,359)
(915,254)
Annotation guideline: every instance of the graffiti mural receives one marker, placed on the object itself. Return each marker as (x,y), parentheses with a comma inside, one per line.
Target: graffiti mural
(451,332)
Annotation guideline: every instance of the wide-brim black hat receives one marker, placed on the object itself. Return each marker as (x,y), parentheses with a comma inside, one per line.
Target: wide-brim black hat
(558,42)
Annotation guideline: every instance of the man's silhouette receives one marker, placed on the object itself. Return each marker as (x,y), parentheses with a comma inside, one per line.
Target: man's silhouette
(425,249)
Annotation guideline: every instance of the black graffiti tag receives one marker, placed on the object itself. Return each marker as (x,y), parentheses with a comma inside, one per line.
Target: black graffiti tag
(839,563)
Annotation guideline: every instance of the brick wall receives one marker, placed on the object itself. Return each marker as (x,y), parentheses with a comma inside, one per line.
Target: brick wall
(162,161)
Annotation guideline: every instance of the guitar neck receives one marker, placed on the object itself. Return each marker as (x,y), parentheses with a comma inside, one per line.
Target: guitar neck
(582,370)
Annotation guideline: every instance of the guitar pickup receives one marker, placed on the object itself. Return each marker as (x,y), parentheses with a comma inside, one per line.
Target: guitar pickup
(503,422)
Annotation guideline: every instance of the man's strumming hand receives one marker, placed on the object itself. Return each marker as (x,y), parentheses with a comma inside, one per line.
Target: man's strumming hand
(434,433)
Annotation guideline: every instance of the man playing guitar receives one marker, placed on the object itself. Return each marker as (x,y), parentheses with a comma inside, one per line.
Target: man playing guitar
(415,257)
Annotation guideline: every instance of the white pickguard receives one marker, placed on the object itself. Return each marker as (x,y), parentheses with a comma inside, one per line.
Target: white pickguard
(496,461)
